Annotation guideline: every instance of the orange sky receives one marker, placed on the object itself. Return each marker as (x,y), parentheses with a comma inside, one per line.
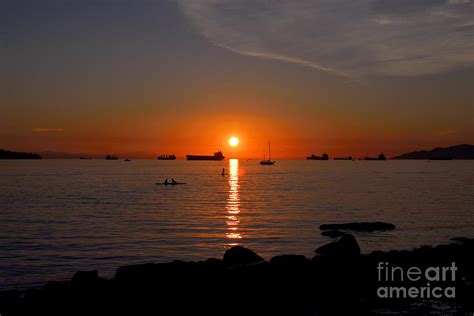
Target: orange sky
(140,77)
(290,139)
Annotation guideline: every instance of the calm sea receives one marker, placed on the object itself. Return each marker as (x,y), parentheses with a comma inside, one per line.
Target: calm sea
(59,216)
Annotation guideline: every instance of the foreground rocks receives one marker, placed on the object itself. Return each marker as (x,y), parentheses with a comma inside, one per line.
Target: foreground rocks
(346,246)
(241,255)
(337,281)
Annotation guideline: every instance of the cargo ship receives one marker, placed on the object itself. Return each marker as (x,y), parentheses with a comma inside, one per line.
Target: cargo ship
(111,157)
(379,157)
(217,156)
(166,157)
(343,158)
(314,157)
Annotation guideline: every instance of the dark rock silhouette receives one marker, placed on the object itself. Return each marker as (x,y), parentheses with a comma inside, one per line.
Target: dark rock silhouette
(85,279)
(463,240)
(6,154)
(289,260)
(463,151)
(283,285)
(332,233)
(359,226)
(346,246)
(240,255)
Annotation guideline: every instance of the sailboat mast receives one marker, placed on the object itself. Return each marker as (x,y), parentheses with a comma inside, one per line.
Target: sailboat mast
(269,155)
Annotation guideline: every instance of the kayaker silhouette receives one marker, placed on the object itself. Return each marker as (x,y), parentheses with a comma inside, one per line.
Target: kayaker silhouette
(223,171)
(166,181)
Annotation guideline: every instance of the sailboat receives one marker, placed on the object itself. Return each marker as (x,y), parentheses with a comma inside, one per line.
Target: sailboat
(269,160)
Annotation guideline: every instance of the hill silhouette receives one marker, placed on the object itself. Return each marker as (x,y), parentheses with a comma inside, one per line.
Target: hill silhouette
(463,151)
(6,154)
(75,155)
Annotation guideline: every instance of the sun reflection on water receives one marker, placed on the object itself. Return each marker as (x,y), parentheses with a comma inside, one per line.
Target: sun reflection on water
(233,203)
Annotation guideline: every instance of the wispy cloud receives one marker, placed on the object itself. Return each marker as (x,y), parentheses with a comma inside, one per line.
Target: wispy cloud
(389,37)
(46,130)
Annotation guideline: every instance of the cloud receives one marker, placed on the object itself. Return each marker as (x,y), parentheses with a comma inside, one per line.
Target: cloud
(364,37)
(47,130)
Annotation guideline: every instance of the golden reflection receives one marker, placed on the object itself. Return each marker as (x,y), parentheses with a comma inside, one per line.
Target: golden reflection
(233,202)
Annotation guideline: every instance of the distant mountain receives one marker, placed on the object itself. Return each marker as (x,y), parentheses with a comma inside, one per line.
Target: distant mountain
(6,154)
(65,155)
(463,151)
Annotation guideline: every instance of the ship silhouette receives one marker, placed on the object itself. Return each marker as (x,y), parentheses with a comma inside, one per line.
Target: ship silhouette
(166,157)
(379,157)
(314,157)
(217,156)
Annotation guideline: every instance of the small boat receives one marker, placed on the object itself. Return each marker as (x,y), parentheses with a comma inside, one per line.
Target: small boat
(343,158)
(269,161)
(314,157)
(127,160)
(379,157)
(166,157)
(111,157)
(170,183)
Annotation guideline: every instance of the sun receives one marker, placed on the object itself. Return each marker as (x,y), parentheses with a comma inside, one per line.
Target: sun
(233,141)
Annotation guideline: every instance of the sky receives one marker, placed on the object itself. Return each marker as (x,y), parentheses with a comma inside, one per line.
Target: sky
(183,76)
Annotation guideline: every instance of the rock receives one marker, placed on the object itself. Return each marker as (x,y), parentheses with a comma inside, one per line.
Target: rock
(136,272)
(214,263)
(378,255)
(464,240)
(55,290)
(240,255)
(82,279)
(349,243)
(332,248)
(346,246)
(55,287)
(360,226)
(333,233)
(289,260)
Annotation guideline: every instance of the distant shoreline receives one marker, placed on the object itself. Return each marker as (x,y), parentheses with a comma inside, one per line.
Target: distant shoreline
(457,152)
(6,154)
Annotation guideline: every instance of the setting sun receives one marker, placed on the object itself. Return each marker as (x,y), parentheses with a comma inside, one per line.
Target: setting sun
(233,141)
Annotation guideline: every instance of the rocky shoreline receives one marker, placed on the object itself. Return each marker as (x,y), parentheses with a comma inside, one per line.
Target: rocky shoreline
(338,280)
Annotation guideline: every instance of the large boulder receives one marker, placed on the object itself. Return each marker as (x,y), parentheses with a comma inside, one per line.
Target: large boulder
(240,255)
(346,246)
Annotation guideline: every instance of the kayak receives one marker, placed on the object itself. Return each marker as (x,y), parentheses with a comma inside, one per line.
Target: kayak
(170,183)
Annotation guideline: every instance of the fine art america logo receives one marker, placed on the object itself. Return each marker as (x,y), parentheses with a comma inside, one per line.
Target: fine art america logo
(432,282)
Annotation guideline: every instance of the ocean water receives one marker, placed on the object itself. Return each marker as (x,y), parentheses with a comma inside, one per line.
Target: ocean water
(60,216)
